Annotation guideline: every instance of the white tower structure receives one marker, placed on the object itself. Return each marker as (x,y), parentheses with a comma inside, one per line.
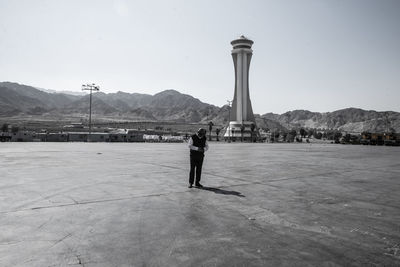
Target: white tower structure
(241,122)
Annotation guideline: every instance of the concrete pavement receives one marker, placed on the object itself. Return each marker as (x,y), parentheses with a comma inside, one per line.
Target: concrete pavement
(108,204)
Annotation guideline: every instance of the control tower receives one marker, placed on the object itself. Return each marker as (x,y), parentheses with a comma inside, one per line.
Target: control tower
(241,122)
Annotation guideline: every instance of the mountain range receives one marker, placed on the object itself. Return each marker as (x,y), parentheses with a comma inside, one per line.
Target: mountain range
(171,105)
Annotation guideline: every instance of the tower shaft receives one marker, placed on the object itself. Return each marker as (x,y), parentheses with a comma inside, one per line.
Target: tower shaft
(241,106)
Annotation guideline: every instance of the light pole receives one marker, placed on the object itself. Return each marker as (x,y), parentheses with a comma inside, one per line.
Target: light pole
(229,120)
(90,87)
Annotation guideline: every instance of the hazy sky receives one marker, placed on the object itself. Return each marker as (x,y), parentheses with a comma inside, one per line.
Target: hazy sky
(316,55)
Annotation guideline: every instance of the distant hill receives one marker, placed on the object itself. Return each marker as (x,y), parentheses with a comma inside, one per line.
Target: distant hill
(21,99)
(168,105)
(171,105)
(349,119)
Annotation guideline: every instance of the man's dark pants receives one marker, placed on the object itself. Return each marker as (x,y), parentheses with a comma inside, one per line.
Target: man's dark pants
(196,162)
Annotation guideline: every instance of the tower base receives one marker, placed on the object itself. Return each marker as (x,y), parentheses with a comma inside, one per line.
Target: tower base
(241,132)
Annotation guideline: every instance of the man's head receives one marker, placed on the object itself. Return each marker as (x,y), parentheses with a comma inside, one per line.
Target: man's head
(201,132)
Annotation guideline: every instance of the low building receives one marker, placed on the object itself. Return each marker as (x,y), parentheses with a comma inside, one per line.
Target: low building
(76,125)
(118,135)
(391,139)
(152,138)
(84,137)
(135,136)
(172,138)
(23,136)
(5,137)
(53,137)
(387,139)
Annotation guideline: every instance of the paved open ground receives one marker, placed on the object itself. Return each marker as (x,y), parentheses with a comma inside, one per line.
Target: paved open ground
(102,204)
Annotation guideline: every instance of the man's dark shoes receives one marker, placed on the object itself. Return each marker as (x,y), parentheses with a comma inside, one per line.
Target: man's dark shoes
(198,185)
(190,186)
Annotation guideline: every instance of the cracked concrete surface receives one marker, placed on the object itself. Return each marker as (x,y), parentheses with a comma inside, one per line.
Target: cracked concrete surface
(88,204)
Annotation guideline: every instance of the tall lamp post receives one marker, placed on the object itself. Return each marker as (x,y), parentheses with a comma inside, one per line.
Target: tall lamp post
(90,87)
(229,120)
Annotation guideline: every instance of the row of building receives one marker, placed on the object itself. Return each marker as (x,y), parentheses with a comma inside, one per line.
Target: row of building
(115,136)
(136,135)
(387,139)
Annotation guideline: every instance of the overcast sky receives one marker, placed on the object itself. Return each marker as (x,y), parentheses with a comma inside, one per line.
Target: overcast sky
(316,55)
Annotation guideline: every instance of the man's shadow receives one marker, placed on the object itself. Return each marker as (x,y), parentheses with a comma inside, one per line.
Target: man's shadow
(222,191)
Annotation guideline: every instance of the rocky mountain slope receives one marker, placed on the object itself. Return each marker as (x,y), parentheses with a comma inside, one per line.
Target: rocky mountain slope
(170,105)
(21,99)
(349,120)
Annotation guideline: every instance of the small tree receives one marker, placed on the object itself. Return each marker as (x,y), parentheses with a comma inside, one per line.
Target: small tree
(292,135)
(210,126)
(303,132)
(217,132)
(252,128)
(4,127)
(14,129)
(275,135)
(337,135)
(284,136)
(318,135)
(310,133)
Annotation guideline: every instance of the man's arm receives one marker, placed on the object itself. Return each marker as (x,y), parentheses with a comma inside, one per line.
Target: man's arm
(191,146)
(206,147)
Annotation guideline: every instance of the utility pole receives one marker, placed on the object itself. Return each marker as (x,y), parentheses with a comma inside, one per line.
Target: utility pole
(90,87)
(387,122)
(229,120)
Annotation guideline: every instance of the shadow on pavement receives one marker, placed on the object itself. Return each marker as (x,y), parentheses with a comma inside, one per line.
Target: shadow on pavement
(222,191)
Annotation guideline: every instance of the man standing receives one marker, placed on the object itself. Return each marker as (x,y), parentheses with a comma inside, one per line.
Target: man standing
(197,145)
